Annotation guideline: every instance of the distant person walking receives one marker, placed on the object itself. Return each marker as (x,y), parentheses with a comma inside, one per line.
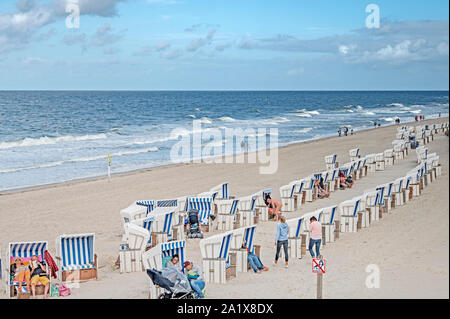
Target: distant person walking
(415,118)
(375,124)
(242,146)
(281,239)
(315,231)
(345,130)
(339,132)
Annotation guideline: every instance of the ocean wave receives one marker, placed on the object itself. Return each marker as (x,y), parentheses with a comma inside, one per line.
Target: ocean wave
(416,111)
(302,114)
(45,140)
(396,104)
(80,159)
(388,119)
(305,111)
(303,130)
(192,116)
(205,120)
(369,113)
(226,119)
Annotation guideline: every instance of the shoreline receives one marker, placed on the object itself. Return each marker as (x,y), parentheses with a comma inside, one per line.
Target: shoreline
(170,165)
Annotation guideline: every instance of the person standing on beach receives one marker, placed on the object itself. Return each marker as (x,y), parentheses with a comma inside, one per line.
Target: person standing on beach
(242,146)
(315,231)
(281,239)
(375,124)
(339,132)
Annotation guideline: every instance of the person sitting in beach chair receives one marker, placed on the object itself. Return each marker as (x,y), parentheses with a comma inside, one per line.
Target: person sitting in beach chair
(274,207)
(255,262)
(21,273)
(349,181)
(342,183)
(320,187)
(39,274)
(195,276)
(173,262)
(192,224)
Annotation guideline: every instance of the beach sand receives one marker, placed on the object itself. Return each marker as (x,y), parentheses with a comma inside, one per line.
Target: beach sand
(410,246)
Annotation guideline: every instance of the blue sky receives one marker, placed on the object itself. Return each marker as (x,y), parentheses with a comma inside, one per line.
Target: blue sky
(224,45)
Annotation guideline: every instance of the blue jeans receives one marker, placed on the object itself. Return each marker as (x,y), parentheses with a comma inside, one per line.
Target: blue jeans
(197,286)
(255,262)
(285,244)
(312,243)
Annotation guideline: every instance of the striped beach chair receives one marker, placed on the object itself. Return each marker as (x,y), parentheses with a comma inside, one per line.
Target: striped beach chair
(348,216)
(222,190)
(297,237)
(149,204)
(299,199)
(308,189)
(215,252)
(159,225)
(354,154)
(242,242)
(204,206)
(247,210)
(24,250)
(154,257)
(261,205)
(328,224)
(287,197)
(389,157)
(212,194)
(76,257)
(331,162)
(379,162)
(132,248)
(132,212)
(372,198)
(397,192)
(226,213)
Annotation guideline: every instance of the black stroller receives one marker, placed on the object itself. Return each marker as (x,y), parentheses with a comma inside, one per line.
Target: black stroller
(194,229)
(173,281)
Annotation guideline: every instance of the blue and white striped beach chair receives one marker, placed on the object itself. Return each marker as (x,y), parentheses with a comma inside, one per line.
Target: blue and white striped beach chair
(135,242)
(373,204)
(204,206)
(349,215)
(222,190)
(287,197)
(132,212)
(331,162)
(261,205)
(76,257)
(154,257)
(297,235)
(397,192)
(24,250)
(149,204)
(299,199)
(327,220)
(226,213)
(159,225)
(354,154)
(242,242)
(215,252)
(308,189)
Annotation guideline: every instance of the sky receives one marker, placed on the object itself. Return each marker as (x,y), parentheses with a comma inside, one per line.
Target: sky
(223,45)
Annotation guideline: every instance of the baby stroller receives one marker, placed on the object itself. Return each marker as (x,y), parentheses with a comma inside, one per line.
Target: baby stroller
(192,220)
(173,281)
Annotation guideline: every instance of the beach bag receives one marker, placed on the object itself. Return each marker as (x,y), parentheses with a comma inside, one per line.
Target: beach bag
(64,291)
(54,290)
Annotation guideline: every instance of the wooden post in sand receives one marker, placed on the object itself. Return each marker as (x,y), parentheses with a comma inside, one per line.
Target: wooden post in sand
(319,285)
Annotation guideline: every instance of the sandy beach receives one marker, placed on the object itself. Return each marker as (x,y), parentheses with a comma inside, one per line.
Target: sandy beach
(410,246)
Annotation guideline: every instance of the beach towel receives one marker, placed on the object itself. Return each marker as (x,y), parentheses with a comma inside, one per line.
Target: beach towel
(51,263)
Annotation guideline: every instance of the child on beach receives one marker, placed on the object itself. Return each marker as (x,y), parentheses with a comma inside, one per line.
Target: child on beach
(281,239)
(195,276)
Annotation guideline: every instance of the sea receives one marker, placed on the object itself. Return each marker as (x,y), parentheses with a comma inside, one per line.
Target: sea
(56,136)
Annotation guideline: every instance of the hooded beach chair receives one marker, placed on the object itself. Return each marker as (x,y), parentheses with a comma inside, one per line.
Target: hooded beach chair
(159,225)
(354,154)
(389,157)
(204,205)
(136,240)
(261,205)
(299,199)
(308,189)
(242,242)
(226,213)
(363,214)
(132,212)
(247,211)
(215,252)
(372,205)
(76,258)
(371,163)
(297,237)
(397,192)
(387,196)
(149,204)
(287,197)
(24,250)
(348,216)
(379,162)
(331,162)
(154,257)
(222,191)
(328,223)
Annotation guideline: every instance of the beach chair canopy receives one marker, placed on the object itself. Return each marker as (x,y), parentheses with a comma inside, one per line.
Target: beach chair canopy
(132,212)
(152,258)
(167,203)
(243,237)
(247,203)
(203,205)
(222,190)
(150,204)
(76,251)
